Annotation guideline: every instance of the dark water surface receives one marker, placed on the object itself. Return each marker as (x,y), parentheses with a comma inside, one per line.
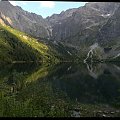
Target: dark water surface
(64,90)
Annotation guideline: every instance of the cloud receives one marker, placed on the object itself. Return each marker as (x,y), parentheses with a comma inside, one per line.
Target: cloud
(47,4)
(15,3)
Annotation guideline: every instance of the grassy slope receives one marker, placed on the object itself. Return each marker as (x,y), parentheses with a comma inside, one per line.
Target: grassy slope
(18,46)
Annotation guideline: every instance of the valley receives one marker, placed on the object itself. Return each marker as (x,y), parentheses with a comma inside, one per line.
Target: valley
(64,65)
(67,36)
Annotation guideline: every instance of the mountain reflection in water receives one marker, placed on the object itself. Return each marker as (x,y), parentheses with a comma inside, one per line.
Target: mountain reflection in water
(46,85)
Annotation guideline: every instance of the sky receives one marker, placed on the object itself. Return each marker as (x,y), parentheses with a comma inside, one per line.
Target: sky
(46,8)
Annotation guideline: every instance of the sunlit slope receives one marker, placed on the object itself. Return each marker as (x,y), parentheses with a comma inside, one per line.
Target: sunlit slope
(18,46)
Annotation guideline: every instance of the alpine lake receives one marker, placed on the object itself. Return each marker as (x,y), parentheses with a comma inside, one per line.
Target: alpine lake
(62,90)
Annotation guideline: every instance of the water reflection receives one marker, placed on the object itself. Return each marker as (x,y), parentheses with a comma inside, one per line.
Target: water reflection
(95,70)
(48,89)
(101,83)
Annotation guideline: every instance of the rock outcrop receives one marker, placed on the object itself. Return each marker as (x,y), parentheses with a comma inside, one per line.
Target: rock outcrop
(24,21)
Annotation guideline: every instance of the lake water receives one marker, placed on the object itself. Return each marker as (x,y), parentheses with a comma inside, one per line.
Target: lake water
(64,90)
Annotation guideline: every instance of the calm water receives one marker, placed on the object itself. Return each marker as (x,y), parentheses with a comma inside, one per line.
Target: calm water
(64,90)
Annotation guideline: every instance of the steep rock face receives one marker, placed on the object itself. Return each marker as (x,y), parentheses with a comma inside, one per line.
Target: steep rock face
(57,18)
(81,25)
(78,28)
(109,35)
(111,30)
(27,22)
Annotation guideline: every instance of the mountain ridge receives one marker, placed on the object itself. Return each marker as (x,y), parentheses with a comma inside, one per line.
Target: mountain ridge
(77,28)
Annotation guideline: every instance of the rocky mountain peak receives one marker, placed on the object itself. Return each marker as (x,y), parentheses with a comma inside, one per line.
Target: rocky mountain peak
(73,26)
(27,22)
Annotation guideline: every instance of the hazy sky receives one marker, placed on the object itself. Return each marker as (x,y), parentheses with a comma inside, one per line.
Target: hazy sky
(46,8)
